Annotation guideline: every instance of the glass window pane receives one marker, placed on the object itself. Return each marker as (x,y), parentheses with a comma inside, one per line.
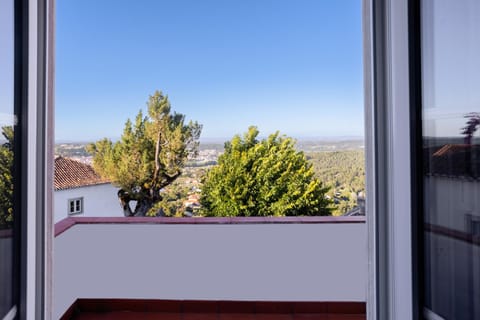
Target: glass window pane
(451,116)
(289,66)
(6,156)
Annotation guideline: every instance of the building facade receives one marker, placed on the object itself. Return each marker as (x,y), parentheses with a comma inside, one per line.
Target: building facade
(81,192)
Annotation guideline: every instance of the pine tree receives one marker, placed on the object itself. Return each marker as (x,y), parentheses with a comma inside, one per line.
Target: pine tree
(6,178)
(149,156)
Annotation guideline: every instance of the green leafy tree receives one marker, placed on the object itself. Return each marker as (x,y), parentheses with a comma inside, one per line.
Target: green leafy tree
(263,178)
(6,179)
(149,156)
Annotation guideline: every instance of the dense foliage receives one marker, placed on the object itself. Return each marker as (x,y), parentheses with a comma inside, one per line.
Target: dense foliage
(149,156)
(172,202)
(174,196)
(344,171)
(263,178)
(6,179)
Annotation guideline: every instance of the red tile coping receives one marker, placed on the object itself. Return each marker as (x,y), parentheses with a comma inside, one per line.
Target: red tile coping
(6,233)
(67,223)
(216,307)
(452,233)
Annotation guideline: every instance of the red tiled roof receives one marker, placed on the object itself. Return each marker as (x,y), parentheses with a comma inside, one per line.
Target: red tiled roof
(453,160)
(74,174)
(450,149)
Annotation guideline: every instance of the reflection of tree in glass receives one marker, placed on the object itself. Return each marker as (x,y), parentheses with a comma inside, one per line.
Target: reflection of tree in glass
(472,123)
(6,179)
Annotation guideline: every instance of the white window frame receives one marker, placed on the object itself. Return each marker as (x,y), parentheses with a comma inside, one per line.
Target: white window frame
(37,195)
(388,160)
(34,97)
(387,117)
(472,224)
(74,201)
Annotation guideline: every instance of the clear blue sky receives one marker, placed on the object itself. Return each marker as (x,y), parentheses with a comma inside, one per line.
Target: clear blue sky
(6,64)
(288,65)
(450,69)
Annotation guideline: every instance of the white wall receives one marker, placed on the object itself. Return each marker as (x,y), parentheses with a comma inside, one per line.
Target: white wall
(274,262)
(450,200)
(6,276)
(453,281)
(98,201)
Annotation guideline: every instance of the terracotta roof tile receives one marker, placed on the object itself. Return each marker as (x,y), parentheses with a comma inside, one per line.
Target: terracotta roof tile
(453,160)
(449,149)
(73,174)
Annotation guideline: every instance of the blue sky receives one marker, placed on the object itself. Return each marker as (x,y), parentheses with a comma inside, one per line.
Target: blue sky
(6,63)
(288,65)
(450,70)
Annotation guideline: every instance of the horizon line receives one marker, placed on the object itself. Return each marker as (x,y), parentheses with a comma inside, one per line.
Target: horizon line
(224,139)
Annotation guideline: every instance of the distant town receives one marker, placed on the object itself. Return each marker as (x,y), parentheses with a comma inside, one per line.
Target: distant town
(339,163)
(210,151)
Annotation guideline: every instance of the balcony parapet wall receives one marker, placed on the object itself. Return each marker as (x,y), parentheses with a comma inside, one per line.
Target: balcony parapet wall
(241,259)
(67,223)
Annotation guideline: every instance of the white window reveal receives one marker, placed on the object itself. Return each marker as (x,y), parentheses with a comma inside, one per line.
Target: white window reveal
(75,206)
(473,224)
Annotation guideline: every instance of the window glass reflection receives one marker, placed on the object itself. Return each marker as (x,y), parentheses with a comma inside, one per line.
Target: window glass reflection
(451,119)
(6,156)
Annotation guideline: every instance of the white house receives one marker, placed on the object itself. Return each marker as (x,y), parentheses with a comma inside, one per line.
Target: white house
(80,191)
(453,181)
(453,223)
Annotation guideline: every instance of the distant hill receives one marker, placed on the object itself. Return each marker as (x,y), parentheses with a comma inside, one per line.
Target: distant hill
(218,146)
(306,145)
(441,141)
(344,172)
(330,145)
(71,150)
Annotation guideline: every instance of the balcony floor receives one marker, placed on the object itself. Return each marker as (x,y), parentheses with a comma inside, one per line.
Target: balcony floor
(121,315)
(110,309)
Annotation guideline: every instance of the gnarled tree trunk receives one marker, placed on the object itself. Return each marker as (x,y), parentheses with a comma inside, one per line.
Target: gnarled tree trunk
(143,205)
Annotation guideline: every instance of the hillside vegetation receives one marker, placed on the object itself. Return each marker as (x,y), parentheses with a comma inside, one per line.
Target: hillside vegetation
(344,172)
